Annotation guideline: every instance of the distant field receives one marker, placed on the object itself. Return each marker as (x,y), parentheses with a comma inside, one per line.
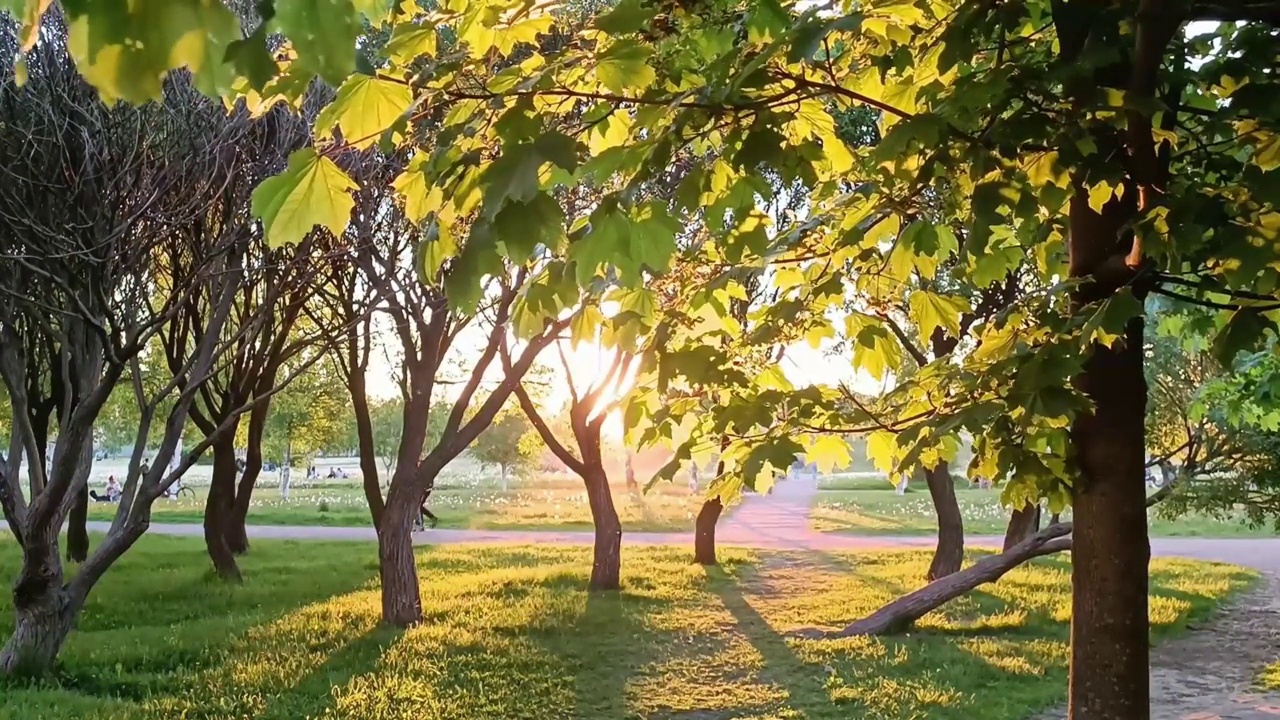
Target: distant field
(466,496)
(866,504)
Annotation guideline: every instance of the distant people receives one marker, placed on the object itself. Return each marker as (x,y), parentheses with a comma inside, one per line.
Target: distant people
(424,514)
(111,493)
(333,473)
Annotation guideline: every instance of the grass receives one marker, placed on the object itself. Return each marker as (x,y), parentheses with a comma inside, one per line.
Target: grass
(477,501)
(865,504)
(511,633)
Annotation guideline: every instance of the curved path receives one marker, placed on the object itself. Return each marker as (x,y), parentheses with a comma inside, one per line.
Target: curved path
(776,522)
(1206,675)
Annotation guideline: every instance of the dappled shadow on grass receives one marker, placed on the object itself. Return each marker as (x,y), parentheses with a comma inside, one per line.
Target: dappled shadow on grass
(159,616)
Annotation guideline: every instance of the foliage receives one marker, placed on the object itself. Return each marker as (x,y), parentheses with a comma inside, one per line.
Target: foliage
(509,443)
(1219,424)
(990,120)
(301,637)
(305,417)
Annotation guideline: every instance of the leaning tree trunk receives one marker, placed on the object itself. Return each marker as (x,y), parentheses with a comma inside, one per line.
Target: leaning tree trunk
(606,564)
(900,614)
(1023,523)
(704,532)
(44,612)
(950,551)
(220,510)
(401,598)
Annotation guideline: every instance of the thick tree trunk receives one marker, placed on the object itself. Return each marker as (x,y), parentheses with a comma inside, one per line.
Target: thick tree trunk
(44,612)
(899,615)
(40,628)
(1109,622)
(606,565)
(1023,523)
(950,551)
(704,532)
(78,526)
(220,511)
(401,599)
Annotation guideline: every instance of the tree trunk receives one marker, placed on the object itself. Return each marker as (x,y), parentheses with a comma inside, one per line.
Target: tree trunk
(78,516)
(220,511)
(43,612)
(78,528)
(235,532)
(704,532)
(503,469)
(368,453)
(899,615)
(950,551)
(401,598)
(1023,523)
(285,468)
(606,565)
(1109,622)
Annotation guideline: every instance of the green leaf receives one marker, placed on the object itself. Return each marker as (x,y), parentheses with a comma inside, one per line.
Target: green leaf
(409,42)
(1245,330)
(522,226)
(1043,169)
(323,33)
(252,59)
(624,65)
(311,191)
(881,446)
(828,452)
(439,246)
(653,236)
(125,50)
(626,17)
(930,311)
(364,108)
(585,325)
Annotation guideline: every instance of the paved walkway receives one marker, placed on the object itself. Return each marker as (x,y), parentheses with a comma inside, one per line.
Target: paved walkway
(1206,675)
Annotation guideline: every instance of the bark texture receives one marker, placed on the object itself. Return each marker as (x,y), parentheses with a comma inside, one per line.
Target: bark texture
(1023,523)
(949,554)
(1109,621)
(900,614)
(401,601)
(704,532)
(78,526)
(219,510)
(606,563)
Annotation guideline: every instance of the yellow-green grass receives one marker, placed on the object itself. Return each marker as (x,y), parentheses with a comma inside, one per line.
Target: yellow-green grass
(543,503)
(867,505)
(510,632)
(1270,677)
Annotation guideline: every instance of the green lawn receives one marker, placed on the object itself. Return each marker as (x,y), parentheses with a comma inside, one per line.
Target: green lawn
(865,504)
(545,503)
(511,633)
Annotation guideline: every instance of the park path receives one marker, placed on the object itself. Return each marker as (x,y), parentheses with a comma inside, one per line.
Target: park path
(1208,674)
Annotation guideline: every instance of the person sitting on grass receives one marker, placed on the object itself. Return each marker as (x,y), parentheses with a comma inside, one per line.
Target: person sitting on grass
(111,494)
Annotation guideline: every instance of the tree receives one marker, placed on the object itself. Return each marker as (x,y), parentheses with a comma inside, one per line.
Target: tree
(304,418)
(1050,125)
(589,406)
(509,443)
(96,271)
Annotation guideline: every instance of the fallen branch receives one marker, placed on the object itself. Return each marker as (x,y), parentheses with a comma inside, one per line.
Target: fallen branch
(900,614)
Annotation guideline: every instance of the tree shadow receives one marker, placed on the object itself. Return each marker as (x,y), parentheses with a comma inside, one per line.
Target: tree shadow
(314,692)
(781,667)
